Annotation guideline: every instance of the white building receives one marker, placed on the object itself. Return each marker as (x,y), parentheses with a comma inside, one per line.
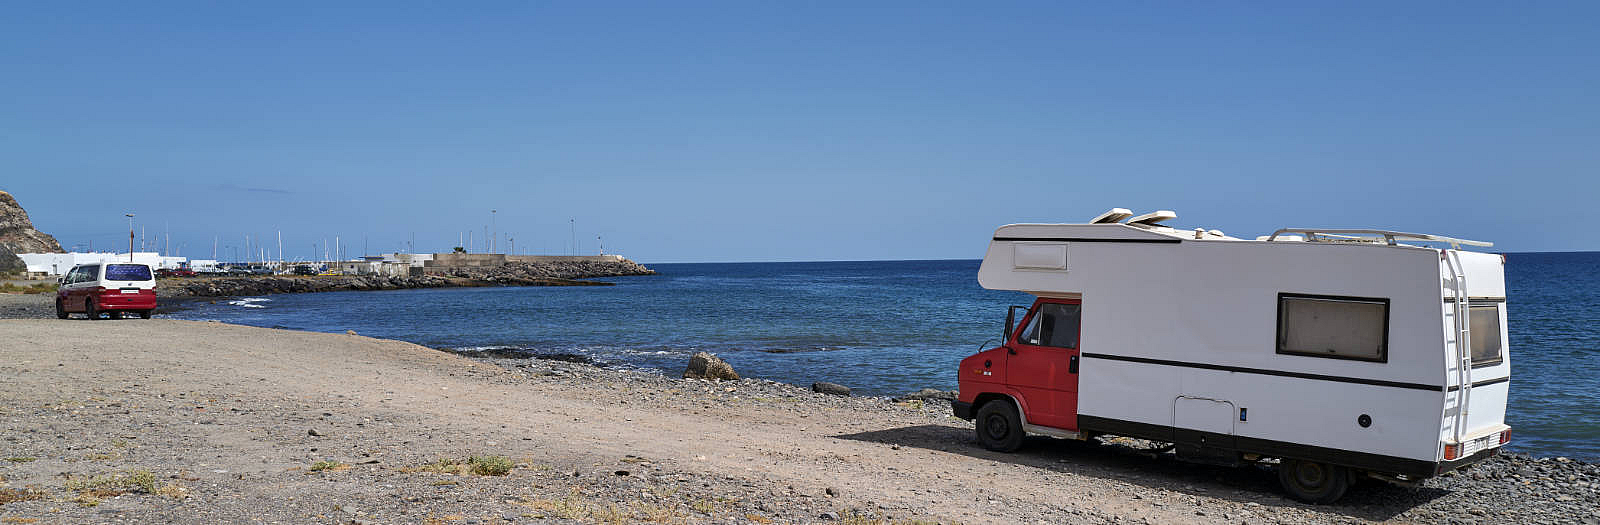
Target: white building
(58,263)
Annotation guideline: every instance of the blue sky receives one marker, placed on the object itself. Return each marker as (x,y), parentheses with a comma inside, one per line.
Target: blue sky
(750,131)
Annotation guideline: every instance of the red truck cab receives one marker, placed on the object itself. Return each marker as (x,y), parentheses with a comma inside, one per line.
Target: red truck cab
(1029,382)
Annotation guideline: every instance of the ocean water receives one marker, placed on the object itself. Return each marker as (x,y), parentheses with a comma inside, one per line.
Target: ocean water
(883,327)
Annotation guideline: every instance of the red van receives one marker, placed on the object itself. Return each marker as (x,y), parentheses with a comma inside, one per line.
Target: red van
(107,288)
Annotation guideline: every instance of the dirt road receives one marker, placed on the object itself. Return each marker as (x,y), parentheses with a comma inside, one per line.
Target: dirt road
(241,424)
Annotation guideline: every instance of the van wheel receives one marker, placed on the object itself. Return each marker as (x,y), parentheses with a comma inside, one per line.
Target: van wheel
(61,310)
(88,309)
(999,427)
(1313,482)
(145,314)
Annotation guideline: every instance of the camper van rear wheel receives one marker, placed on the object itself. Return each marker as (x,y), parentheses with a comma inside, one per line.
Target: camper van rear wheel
(88,309)
(61,310)
(1313,482)
(999,427)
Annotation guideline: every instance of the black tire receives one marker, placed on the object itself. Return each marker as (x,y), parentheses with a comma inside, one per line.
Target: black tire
(145,314)
(88,309)
(61,310)
(999,428)
(1312,482)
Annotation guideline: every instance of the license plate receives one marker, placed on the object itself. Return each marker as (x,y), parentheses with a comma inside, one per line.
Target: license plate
(1485,442)
(130,290)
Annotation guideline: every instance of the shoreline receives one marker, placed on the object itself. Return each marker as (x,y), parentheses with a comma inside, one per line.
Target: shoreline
(230,421)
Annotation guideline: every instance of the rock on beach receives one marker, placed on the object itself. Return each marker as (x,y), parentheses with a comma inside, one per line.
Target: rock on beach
(703,365)
(824,387)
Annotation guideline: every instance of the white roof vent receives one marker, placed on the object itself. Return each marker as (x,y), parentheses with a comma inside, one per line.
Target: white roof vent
(1111,216)
(1150,219)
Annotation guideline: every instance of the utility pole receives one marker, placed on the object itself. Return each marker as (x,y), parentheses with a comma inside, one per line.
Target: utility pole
(495,229)
(130,236)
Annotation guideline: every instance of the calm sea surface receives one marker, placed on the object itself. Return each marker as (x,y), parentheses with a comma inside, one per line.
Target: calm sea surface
(886,327)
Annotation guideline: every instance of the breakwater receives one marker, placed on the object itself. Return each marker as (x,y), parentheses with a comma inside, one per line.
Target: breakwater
(560,273)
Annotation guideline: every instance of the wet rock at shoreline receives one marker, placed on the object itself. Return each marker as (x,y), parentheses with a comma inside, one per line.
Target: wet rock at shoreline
(706,366)
(824,387)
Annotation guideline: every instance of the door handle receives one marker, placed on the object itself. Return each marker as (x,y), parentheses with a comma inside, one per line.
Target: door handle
(1072,365)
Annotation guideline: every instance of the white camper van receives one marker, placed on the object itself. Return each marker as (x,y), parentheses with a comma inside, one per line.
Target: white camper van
(1337,353)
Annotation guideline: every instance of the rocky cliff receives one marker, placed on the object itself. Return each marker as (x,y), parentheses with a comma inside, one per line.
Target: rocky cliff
(18,236)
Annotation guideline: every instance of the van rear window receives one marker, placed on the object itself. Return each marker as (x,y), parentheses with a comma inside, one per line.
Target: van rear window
(127,272)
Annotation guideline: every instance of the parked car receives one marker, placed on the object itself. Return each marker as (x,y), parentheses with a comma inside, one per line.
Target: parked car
(107,289)
(304,270)
(178,272)
(238,270)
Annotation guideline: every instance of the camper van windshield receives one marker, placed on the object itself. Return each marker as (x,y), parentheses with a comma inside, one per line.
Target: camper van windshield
(127,272)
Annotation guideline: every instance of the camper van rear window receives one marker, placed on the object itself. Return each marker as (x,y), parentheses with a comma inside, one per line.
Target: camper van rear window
(1333,327)
(1485,319)
(127,272)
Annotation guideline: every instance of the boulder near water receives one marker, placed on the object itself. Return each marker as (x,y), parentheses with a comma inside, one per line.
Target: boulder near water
(703,365)
(824,387)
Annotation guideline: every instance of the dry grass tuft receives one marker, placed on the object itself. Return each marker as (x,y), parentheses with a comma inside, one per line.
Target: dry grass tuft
(328,465)
(438,466)
(30,289)
(479,465)
(15,495)
(489,465)
(140,481)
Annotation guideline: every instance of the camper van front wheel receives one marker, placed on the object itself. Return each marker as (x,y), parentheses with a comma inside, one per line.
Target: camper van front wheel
(999,427)
(1313,482)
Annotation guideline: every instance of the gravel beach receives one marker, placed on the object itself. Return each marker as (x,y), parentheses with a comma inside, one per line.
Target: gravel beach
(139,421)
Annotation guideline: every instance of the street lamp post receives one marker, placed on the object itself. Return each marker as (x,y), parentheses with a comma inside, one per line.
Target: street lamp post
(130,236)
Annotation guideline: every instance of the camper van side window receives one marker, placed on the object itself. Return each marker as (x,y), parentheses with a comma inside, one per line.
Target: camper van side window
(1485,326)
(1334,327)
(1053,325)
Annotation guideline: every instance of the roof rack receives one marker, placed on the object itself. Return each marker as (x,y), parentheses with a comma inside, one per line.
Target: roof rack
(1373,236)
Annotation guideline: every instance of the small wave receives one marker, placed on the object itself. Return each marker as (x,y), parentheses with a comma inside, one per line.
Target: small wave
(250,302)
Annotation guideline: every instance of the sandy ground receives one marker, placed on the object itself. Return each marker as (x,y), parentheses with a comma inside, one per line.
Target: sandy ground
(230,421)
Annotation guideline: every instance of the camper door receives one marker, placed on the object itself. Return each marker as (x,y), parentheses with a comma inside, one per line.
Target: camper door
(1044,368)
